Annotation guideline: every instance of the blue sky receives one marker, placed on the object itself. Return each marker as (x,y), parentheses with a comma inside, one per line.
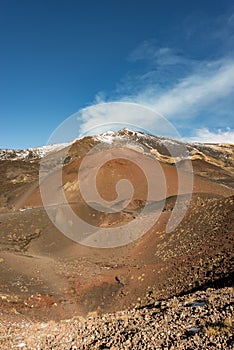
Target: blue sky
(57,57)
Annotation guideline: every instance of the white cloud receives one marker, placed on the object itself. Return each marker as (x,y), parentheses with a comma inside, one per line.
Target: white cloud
(220,136)
(177,87)
(197,93)
(114,116)
(193,93)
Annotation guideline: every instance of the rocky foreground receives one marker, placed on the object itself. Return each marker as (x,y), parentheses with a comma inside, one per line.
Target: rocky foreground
(200,320)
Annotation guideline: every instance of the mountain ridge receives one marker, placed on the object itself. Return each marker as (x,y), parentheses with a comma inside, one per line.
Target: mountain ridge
(196,150)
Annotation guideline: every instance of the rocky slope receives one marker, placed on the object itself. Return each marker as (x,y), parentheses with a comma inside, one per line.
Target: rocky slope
(47,276)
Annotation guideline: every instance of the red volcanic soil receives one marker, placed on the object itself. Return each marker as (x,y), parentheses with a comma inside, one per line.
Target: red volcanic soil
(165,177)
(46,275)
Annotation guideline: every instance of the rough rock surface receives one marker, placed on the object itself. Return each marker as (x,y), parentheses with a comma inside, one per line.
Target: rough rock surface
(201,320)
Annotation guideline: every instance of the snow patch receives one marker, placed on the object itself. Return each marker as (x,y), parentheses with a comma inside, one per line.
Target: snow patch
(30,153)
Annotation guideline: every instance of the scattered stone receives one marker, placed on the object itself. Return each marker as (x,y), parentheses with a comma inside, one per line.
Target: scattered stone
(172,326)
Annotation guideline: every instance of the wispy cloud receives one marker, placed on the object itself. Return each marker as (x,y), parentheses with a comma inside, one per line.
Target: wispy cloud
(192,94)
(162,56)
(205,135)
(195,93)
(161,67)
(206,91)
